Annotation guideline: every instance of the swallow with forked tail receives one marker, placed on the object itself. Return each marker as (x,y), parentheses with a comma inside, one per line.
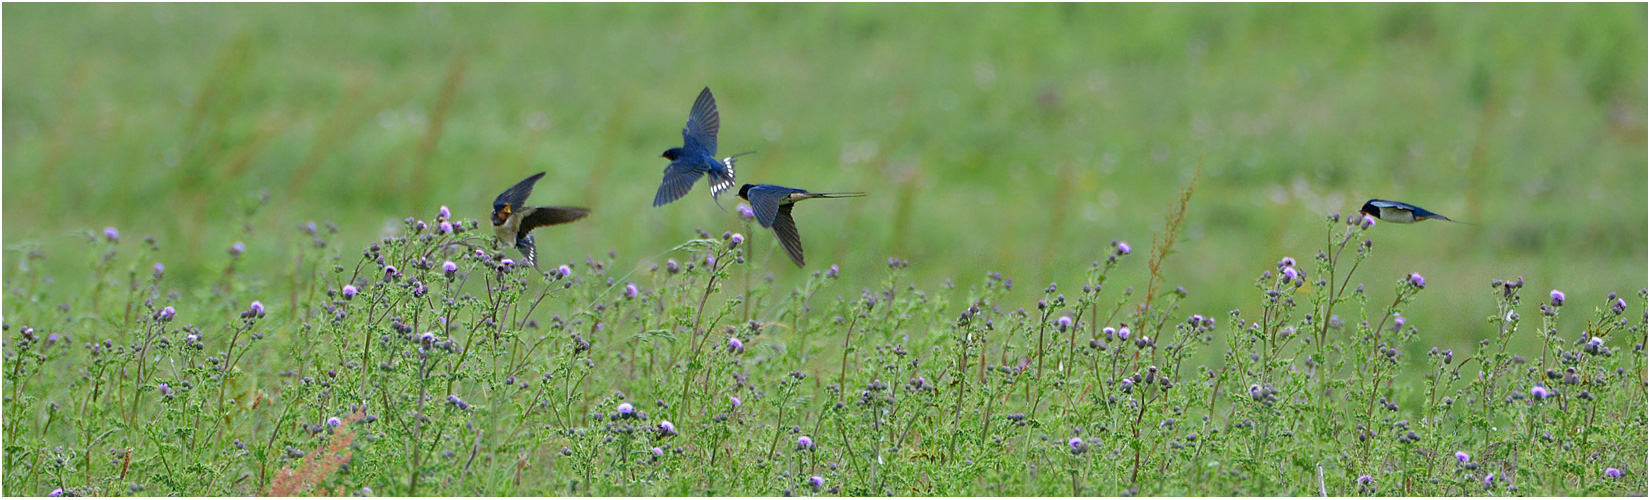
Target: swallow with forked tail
(772,206)
(1398,212)
(512,221)
(697,156)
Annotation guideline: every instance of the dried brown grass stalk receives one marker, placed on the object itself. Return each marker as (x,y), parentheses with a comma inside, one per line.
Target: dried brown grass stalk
(321,464)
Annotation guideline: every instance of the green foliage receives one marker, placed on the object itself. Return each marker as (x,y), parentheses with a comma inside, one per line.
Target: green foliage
(1045,130)
(995,141)
(393,375)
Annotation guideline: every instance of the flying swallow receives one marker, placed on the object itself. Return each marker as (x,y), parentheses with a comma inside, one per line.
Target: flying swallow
(772,206)
(512,221)
(697,156)
(1402,213)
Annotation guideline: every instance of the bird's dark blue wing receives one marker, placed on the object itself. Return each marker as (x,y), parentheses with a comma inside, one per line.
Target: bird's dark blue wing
(517,194)
(700,135)
(765,203)
(680,177)
(537,217)
(786,229)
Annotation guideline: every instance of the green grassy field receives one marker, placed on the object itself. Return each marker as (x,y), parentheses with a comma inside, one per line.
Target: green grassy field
(1020,139)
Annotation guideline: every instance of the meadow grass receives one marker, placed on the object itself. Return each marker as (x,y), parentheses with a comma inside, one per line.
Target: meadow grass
(427,364)
(1005,142)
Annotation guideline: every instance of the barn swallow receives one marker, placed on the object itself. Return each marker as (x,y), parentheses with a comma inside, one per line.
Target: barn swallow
(697,156)
(512,222)
(772,206)
(1402,213)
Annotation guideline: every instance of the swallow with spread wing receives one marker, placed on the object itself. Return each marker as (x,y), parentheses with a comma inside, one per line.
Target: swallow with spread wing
(772,206)
(697,156)
(512,221)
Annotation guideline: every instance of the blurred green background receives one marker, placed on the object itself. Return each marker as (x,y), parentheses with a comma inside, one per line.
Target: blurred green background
(1012,138)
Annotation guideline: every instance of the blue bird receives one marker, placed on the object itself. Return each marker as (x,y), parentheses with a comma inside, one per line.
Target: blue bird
(1399,212)
(512,222)
(697,156)
(772,206)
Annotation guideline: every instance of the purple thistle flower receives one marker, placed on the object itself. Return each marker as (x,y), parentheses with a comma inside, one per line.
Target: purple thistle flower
(1490,480)
(350,291)
(418,227)
(449,267)
(631,291)
(658,452)
(1366,222)
(816,482)
(427,338)
(563,271)
(1417,280)
(1366,479)
(672,267)
(735,240)
(667,428)
(734,400)
(1077,445)
(1619,306)
(507,262)
(1398,320)
(745,211)
(1127,384)
(805,443)
(236,249)
(480,254)
(334,422)
(166,314)
(1123,332)
(832,272)
(1558,296)
(1596,342)
(113,236)
(1539,393)
(1462,456)
(1064,322)
(165,390)
(160,270)
(1287,261)
(1123,248)
(711,261)
(735,346)
(1109,332)
(626,410)
(446,227)
(257,308)
(1290,274)
(59,492)
(444,213)
(1613,472)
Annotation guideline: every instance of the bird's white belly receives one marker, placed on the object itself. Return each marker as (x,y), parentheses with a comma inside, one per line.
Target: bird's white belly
(1398,215)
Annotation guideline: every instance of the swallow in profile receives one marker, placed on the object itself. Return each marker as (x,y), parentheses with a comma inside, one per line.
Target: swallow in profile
(697,156)
(512,221)
(1402,213)
(772,206)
